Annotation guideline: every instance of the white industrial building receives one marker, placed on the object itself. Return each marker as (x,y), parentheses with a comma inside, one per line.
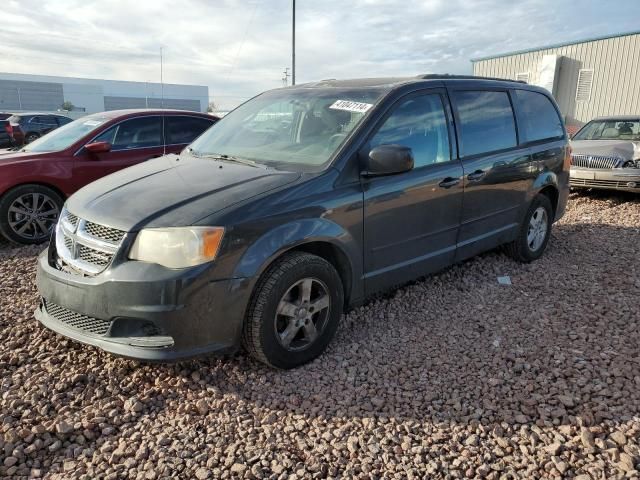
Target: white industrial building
(589,78)
(22,92)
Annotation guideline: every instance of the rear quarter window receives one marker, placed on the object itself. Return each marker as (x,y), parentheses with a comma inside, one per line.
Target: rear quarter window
(486,122)
(538,118)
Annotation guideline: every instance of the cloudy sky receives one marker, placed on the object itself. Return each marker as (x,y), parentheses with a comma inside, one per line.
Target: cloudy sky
(239,48)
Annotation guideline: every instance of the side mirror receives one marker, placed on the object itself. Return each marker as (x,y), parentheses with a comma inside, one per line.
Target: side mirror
(387,160)
(98,147)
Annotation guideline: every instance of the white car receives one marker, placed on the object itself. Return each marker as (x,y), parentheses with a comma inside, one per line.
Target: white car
(606,154)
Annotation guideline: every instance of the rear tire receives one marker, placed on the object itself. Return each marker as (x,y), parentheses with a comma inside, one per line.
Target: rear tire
(29,213)
(534,232)
(30,137)
(294,311)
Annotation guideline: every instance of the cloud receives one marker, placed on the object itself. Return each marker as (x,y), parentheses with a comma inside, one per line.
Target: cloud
(239,48)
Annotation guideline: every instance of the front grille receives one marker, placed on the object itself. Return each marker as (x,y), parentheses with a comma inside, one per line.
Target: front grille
(94,256)
(103,233)
(71,218)
(583,182)
(84,247)
(76,320)
(595,161)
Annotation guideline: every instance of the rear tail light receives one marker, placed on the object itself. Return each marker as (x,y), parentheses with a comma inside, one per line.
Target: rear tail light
(567,158)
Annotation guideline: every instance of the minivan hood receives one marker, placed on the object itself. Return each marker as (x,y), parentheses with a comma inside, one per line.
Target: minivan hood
(172,191)
(625,149)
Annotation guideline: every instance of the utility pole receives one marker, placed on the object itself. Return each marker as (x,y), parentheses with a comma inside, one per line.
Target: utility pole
(293,42)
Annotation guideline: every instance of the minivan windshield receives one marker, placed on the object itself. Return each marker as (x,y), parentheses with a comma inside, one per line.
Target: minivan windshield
(67,135)
(298,128)
(610,130)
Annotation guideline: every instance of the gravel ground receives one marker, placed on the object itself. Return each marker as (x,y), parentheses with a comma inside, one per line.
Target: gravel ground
(452,377)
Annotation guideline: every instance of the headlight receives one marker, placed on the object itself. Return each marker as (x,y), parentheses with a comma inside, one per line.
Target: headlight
(178,247)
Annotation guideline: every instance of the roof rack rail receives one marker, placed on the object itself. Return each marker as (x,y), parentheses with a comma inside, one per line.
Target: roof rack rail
(445,76)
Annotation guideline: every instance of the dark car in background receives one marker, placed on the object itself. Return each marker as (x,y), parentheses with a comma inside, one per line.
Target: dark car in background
(35,181)
(24,128)
(302,202)
(606,154)
(5,139)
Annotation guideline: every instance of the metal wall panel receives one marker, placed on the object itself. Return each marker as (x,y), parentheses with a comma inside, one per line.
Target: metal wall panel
(37,96)
(120,103)
(616,77)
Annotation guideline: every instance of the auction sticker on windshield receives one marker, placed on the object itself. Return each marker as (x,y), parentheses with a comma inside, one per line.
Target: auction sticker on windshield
(350,106)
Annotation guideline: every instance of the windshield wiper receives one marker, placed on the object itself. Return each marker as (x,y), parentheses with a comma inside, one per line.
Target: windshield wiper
(227,158)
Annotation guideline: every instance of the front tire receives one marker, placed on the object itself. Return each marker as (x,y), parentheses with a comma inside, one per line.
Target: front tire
(28,213)
(294,311)
(534,232)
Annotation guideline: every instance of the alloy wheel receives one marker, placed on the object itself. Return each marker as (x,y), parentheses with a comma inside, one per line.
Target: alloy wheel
(33,215)
(302,314)
(538,227)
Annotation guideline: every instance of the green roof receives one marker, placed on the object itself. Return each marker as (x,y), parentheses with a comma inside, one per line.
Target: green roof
(556,45)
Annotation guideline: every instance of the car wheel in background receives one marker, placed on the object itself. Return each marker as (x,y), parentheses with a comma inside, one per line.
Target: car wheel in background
(28,213)
(294,311)
(534,232)
(30,137)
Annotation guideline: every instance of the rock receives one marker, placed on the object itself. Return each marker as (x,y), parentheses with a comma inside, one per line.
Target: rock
(352,444)
(554,448)
(64,428)
(626,462)
(566,400)
(55,446)
(521,418)
(471,441)
(238,468)
(10,461)
(618,437)
(587,438)
(203,473)
(377,402)
(202,406)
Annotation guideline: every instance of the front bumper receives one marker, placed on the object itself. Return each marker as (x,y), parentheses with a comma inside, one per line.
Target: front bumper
(144,311)
(627,179)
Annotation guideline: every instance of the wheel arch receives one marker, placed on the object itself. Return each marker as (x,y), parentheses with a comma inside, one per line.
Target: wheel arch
(547,184)
(320,237)
(40,184)
(552,193)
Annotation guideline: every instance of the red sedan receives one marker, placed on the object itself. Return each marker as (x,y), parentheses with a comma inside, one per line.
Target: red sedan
(35,181)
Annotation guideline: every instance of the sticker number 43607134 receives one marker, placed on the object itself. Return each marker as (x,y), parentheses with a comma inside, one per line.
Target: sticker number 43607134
(350,106)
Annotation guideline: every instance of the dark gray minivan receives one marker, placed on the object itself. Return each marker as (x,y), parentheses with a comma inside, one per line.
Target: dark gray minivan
(300,203)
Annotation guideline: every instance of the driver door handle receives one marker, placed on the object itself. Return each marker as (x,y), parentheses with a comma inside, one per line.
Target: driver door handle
(477,175)
(449,182)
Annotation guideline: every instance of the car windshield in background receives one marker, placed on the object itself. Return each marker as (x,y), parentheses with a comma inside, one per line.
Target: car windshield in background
(66,135)
(610,130)
(294,128)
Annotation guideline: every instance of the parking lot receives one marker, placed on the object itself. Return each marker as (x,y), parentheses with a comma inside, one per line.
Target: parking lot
(455,376)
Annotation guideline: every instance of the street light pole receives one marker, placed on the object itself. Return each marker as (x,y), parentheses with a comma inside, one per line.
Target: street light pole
(293,42)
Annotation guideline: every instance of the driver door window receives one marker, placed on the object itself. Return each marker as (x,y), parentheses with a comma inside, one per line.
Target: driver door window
(420,124)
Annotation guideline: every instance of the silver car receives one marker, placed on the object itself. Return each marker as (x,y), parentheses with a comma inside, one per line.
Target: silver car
(606,154)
